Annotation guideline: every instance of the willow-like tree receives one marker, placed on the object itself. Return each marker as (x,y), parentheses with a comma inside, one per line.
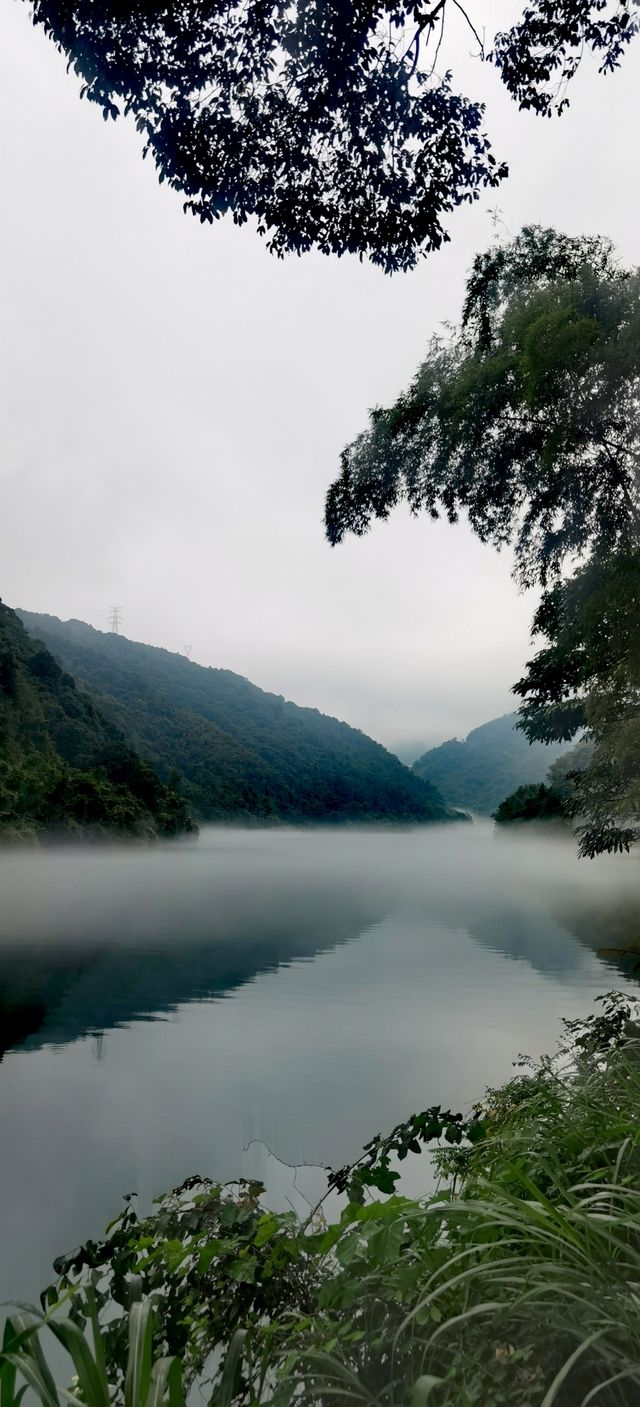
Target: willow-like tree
(526,420)
(329,121)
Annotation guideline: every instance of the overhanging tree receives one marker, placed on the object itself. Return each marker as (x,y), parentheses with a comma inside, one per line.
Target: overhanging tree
(527,420)
(586,680)
(327,120)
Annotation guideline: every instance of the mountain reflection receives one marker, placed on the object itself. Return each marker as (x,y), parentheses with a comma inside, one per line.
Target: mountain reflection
(56,996)
(610,930)
(58,987)
(90,941)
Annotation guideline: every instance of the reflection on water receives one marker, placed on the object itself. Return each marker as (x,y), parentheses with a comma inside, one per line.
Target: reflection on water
(184,1009)
(90,942)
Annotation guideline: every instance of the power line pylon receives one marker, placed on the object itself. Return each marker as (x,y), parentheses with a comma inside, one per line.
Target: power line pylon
(115,619)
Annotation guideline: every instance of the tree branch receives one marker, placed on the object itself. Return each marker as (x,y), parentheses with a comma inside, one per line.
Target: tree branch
(471,25)
(427,23)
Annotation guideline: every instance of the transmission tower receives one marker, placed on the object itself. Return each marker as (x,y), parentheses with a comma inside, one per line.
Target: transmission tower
(115,619)
(187,650)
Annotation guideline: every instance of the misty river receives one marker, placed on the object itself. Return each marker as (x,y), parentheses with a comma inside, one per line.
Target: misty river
(255,999)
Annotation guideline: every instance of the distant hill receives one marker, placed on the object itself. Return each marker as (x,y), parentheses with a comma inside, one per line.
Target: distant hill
(493,761)
(240,752)
(64,766)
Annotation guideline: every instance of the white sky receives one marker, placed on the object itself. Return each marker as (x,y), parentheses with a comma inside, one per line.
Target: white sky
(173,402)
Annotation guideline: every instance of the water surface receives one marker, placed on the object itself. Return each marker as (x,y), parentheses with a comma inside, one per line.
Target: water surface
(186,1008)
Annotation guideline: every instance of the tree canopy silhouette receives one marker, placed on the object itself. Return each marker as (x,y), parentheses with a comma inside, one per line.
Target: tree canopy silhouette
(328,121)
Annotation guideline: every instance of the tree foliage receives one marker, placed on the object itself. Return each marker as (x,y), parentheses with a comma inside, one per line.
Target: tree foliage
(586,680)
(329,123)
(527,420)
(540,54)
(530,802)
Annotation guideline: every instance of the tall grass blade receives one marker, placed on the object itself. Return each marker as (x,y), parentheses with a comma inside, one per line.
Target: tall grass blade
(98,1341)
(138,1375)
(33,1377)
(166,1384)
(423,1388)
(230,1381)
(92,1379)
(565,1370)
(30,1359)
(633,1372)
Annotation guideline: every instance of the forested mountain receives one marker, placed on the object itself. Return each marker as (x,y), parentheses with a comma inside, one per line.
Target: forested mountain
(64,766)
(488,765)
(240,752)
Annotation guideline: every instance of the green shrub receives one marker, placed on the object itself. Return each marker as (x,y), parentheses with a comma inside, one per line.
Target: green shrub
(531,803)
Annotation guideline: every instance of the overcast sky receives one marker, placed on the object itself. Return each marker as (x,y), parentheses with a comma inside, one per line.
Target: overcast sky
(174,401)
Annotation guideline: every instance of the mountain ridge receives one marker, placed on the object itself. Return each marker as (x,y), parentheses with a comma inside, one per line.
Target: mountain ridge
(494,759)
(239,751)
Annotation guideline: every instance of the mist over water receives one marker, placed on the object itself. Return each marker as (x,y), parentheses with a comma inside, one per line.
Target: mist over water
(184,1008)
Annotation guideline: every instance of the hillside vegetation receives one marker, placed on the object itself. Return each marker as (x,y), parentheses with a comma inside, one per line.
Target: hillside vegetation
(491,763)
(557,800)
(64,766)
(534,802)
(239,751)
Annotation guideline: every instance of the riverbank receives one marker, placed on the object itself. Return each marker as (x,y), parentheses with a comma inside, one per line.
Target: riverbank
(514,1284)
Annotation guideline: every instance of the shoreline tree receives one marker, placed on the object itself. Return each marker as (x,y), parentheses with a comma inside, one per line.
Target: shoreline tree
(330,123)
(526,421)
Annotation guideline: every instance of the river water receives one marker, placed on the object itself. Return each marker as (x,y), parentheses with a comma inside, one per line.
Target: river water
(215,1006)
